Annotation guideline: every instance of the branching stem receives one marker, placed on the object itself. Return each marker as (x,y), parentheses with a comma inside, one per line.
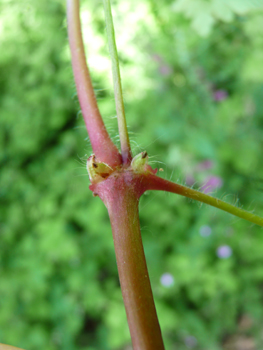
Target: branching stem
(123,131)
(157,183)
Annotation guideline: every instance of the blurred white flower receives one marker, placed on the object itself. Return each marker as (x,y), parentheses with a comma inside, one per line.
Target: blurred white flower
(224,251)
(190,341)
(167,280)
(205,231)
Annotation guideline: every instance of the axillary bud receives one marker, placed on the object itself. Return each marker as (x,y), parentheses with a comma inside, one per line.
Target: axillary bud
(98,171)
(139,162)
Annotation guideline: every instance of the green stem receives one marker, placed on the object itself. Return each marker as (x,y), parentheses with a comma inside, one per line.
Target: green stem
(153,182)
(123,131)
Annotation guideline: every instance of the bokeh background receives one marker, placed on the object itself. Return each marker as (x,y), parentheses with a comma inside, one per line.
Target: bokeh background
(193,86)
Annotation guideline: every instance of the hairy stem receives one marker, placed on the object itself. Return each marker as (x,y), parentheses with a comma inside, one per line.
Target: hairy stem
(123,131)
(102,145)
(120,194)
(8,347)
(153,182)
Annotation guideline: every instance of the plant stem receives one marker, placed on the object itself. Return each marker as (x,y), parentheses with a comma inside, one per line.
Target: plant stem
(123,131)
(8,347)
(102,145)
(120,194)
(153,182)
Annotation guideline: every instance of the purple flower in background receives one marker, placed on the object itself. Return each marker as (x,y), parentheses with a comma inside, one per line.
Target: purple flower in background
(205,165)
(163,67)
(190,341)
(167,280)
(205,231)
(220,95)
(211,183)
(165,70)
(224,251)
(157,58)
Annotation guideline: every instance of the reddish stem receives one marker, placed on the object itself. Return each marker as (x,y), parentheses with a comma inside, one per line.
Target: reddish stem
(120,193)
(102,145)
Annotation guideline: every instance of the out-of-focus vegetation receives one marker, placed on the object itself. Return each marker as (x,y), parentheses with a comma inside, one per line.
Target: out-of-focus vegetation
(193,84)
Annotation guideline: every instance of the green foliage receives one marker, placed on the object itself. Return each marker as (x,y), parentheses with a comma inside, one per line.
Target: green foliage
(189,99)
(204,14)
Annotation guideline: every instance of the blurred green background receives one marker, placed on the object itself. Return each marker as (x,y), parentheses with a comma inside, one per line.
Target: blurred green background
(193,86)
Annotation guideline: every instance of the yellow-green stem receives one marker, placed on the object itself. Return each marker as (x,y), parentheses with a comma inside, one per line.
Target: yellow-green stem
(157,183)
(8,347)
(123,131)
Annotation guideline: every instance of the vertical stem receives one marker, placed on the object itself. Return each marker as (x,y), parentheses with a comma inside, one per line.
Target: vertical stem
(123,131)
(120,197)
(135,284)
(102,145)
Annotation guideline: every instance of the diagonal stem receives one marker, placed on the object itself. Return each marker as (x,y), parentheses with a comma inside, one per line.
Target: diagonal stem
(8,347)
(153,182)
(123,131)
(102,145)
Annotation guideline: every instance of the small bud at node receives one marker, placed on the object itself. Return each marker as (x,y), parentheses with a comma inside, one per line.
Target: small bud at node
(98,171)
(139,162)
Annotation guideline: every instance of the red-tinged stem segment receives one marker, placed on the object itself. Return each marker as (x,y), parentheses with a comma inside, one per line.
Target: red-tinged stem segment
(101,143)
(153,182)
(120,193)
